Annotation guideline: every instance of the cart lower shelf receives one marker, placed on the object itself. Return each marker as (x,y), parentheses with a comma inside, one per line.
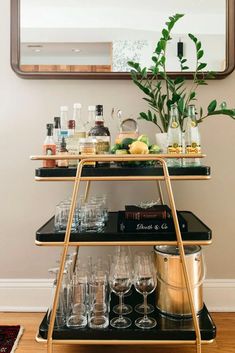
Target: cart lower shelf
(167,329)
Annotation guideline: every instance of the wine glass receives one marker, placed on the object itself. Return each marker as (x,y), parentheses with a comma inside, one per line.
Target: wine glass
(124,251)
(145,283)
(120,283)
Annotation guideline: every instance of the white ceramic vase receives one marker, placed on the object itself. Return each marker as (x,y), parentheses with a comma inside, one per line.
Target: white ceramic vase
(161,141)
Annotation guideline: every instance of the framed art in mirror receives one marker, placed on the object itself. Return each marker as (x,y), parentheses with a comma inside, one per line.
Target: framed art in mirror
(96,39)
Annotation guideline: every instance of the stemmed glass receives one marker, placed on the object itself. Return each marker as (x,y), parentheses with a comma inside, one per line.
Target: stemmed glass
(124,251)
(120,283)
(145,283)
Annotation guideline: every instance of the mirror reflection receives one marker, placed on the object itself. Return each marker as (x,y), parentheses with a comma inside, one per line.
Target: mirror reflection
(102,35)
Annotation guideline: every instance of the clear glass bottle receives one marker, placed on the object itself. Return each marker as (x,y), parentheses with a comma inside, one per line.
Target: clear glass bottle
(91,118)
(87,148)
(192,137)
(63,163)
(57,132)
(76,132)
(174,138)
(49,147)
(64,121)
(101,132)
(80,130)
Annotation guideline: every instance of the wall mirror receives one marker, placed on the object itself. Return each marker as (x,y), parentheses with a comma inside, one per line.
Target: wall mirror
(96,38)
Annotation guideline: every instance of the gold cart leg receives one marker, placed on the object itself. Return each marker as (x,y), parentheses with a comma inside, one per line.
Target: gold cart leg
(182,255)
(49,346)
(160,193)
(87,190)
(64,253)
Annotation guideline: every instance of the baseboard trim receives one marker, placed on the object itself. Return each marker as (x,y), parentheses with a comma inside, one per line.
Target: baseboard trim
(33,295)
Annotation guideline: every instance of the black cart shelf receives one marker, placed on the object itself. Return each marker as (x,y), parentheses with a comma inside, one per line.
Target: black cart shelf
(166,327)
(198,233)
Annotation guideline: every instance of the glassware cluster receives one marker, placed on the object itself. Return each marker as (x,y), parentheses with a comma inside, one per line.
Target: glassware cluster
(85,293)
(89,216)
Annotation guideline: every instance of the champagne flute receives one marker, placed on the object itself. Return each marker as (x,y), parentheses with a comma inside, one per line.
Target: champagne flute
(120,283)
(145,283)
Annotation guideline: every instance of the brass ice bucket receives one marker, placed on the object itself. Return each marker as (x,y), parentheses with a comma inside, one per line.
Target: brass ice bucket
(171,295)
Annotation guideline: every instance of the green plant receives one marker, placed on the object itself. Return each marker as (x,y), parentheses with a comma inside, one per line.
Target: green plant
(162,91)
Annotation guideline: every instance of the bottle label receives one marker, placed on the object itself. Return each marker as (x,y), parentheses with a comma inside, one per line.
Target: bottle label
(49,150)
(103,144)
(193,149)
(175,149)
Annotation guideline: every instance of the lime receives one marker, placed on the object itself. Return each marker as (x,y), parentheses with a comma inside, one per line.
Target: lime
(121,152)
(154,149)
(115,148)
(144,138)
(126,142)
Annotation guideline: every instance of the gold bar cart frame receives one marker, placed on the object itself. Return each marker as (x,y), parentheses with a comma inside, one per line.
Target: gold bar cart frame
(77,180)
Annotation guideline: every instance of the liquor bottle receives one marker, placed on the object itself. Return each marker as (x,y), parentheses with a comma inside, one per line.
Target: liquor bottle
(76,131)
(64,121)
(63,163)
(57,132)
(80,130)
(174,138)
(71,128)
(49,148)
(91,118)
(101,132)
(192,137)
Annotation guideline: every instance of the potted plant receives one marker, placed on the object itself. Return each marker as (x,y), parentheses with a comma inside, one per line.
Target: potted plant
(161,91)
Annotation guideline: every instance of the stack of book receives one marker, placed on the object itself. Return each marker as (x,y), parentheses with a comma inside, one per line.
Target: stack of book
(157,218)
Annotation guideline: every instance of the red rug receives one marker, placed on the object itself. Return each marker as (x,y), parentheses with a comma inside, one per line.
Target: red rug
(9,338)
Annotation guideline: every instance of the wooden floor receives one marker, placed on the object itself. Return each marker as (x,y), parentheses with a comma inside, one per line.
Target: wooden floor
(225,341)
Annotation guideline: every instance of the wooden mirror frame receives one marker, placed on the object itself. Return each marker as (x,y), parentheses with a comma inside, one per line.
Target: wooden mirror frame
(15,53)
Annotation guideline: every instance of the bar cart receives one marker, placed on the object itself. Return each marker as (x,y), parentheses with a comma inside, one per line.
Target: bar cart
(196,331)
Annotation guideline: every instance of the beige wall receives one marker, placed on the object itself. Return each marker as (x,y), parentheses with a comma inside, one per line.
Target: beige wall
(27,105)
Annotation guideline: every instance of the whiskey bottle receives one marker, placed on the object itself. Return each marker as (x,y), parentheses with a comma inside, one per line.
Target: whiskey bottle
(174,138)
(101,132)
(192,138)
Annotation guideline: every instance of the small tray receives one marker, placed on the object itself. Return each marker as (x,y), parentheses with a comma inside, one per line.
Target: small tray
(167,328)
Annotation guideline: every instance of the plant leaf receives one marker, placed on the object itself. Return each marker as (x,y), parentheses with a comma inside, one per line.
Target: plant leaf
(192,96)
(201,66)
(191,36)
(212,106)
(165,34)
(134,65)
(200,54)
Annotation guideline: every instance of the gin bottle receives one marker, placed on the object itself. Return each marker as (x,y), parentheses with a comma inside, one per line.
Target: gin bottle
(192,138)
(174,138)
